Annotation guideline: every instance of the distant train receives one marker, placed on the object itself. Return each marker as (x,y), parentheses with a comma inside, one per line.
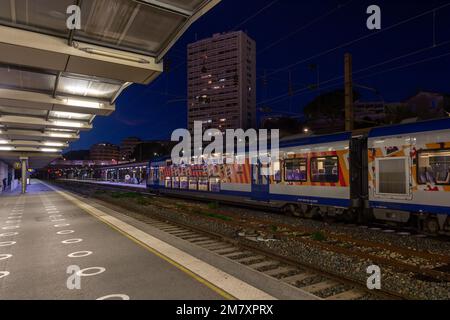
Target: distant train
(397,174)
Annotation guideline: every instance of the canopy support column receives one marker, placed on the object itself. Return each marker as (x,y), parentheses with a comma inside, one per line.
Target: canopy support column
(24,161)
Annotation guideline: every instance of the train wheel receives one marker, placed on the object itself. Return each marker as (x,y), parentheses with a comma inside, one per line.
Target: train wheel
(349,216)
(290,210)
(431,226)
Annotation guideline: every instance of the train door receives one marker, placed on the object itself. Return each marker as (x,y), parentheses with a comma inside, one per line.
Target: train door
(394,173)
(260,183)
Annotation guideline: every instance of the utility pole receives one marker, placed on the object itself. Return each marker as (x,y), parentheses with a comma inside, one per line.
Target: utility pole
(349,114)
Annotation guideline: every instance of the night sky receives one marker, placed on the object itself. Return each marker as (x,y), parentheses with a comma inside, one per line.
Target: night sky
(306,29)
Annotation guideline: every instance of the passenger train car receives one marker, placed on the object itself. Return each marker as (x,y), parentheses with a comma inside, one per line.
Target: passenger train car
(398,174)
(409,174)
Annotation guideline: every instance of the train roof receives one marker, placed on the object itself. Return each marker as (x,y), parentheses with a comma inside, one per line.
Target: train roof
(423,126)
(307,140)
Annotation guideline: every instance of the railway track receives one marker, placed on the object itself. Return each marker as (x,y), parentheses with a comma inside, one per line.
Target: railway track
(304,277)
(423,264)
(316,282)
(410,260)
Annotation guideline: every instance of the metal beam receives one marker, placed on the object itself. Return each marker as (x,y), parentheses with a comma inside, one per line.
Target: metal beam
(31,122)
(25,48)
(39,101)
(166,7)
(34,150)
(17,134)
(30,143)
(194,17)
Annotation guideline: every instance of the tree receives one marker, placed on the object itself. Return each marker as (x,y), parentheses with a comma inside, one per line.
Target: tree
(398,113)
(329,106)
(287,126)
(150,150)
(446,104)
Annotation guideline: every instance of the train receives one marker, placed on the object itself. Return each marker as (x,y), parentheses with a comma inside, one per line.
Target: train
(396,175)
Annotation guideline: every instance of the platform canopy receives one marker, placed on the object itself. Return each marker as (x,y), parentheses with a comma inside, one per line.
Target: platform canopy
(54,81)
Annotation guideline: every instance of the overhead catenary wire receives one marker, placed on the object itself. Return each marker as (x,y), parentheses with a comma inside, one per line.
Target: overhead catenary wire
(304,27)
(422,50)
(351,42)
(302,90)
(257,13)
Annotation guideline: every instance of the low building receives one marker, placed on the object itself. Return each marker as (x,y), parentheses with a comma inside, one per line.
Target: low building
(127,148)
(370,112)
(104,151)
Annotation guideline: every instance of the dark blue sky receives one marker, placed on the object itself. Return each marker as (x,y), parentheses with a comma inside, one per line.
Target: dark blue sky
(154,111)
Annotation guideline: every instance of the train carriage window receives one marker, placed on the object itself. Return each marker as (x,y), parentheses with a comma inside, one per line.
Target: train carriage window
(434,167)
(214,184)
(325,169)
(176,182)
(276,171)
(203,184)
(392,176)
(296,170)
(151,177)
(193,183)
(184,183)
(168,183)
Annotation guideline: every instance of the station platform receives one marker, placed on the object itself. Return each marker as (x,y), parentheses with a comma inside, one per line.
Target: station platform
(58,246)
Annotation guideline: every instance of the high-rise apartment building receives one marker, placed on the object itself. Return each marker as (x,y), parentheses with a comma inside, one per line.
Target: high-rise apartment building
(222,82)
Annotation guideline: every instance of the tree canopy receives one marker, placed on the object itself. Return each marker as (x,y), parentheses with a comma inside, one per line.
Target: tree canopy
(329,105)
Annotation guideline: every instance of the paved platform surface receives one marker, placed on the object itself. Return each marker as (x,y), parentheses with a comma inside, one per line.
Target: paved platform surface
(42,234)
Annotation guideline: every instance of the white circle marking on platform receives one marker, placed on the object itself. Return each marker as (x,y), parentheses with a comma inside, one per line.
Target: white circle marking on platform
(65,232)
(89,272)
(72,241)
(115,296)
(10,227)
(7,243)
(5,256)
(80,254)
(8,234)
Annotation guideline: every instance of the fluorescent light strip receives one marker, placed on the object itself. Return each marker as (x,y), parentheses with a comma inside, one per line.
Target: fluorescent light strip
(68,124)
(60,135)
(53,144)
(49,150)
(84,103)
(70,115)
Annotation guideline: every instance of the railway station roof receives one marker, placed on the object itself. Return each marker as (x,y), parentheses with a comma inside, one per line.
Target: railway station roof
(54,81)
